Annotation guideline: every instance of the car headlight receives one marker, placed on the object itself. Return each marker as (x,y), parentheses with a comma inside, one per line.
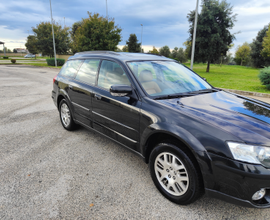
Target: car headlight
(250,153)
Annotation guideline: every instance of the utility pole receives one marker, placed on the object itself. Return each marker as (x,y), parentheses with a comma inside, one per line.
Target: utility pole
(141,38)
(53,36)
(106,10)
(194,36)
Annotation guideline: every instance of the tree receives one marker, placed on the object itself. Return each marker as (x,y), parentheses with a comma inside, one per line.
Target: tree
(31,44)
(125,48)
(44,38)
(118,49)
(188,45)
(8,50)
(154,51)
(243,53)
(266,44)
(132,44)
(180,55)
(213,36)
(256,48)
(96,33)
(174,52)
(165,51)
(74,28)
(14,51)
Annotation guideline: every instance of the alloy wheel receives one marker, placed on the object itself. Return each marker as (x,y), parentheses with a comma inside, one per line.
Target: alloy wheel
(171,173)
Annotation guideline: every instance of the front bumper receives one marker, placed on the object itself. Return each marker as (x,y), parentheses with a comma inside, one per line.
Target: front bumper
(236,182)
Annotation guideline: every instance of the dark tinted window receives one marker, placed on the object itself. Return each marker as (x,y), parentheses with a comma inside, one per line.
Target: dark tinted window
(87,72)
(111,73)
(70,68)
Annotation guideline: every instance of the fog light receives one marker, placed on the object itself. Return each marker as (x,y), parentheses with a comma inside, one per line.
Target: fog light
(259,194)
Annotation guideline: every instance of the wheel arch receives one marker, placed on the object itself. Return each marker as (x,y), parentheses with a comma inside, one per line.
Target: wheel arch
(186,142)
(156,133)
(62,95)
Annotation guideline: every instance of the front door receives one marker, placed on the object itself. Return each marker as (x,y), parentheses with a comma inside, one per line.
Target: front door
(116,117)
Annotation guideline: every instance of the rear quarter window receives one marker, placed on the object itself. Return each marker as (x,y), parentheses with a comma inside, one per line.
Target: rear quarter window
(70,68)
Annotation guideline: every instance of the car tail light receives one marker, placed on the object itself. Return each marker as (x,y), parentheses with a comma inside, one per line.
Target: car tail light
(54,79)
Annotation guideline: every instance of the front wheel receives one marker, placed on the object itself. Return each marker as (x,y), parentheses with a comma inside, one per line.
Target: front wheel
(175,174)
(65,116)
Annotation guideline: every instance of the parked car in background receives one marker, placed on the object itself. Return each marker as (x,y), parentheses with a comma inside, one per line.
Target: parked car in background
(29,55)
(196,139)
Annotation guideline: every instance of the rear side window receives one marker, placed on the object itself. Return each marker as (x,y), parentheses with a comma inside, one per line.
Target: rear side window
(70,68)
(88,71)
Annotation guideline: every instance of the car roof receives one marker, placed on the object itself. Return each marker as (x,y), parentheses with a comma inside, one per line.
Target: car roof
(123,56)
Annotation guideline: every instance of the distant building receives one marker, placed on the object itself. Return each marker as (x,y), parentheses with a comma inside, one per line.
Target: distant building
(21,50)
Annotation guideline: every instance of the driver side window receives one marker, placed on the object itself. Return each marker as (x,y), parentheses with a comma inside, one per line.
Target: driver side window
(111,73)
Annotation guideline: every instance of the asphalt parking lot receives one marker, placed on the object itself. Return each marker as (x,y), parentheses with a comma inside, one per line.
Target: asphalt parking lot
(47,172)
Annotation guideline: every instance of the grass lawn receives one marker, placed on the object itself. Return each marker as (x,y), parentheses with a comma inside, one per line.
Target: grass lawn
(231,77)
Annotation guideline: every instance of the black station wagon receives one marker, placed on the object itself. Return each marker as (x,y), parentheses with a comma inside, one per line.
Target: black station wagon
(197,139)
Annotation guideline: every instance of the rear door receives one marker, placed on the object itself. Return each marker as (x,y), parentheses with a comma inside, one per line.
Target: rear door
(116,117)
(81,88)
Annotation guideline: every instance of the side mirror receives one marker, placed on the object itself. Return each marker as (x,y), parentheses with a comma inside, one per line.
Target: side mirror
(120,90)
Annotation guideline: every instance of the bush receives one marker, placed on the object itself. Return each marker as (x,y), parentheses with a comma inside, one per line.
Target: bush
(264,77)
(13,61)
(51,62)
(5,57)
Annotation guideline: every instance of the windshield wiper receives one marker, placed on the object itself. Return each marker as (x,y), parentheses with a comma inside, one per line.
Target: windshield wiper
(188,94)
(174,96)
(204,91)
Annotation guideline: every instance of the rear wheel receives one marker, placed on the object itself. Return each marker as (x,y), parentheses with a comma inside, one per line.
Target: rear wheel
(65,116)
(175,174)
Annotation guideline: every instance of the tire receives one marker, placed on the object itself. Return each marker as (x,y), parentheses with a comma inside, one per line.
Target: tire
(175,173)
(66,116)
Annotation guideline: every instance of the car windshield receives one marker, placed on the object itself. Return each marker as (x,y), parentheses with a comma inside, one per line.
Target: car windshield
(160,78)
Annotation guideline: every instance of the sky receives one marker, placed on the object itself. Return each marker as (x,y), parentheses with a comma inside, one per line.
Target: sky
(164,21)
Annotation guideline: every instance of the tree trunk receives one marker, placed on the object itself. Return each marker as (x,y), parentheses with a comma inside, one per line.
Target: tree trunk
(221,61)
(208,66)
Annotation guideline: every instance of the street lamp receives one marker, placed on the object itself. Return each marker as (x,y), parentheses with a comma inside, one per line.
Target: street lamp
(194,36)
(141,38)
(53,36)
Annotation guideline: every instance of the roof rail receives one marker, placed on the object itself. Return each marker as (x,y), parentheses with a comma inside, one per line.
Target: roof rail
(155,54)
(98,52)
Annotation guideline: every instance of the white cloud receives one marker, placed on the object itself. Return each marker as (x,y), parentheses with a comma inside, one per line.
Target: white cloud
(13,38)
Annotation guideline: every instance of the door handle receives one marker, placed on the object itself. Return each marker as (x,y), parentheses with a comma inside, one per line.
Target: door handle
(98,97)
(70,86)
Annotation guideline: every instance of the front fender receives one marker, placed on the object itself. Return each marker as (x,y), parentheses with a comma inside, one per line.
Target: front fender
(195,146)
(174,130)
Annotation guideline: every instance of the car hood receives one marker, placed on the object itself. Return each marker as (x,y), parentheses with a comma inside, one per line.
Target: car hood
(245,118)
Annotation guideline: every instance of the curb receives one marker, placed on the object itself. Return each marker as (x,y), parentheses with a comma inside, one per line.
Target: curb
(240,92)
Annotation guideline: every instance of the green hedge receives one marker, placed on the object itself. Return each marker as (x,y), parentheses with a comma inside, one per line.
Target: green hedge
(264,76)
(5,57)
(51,62)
